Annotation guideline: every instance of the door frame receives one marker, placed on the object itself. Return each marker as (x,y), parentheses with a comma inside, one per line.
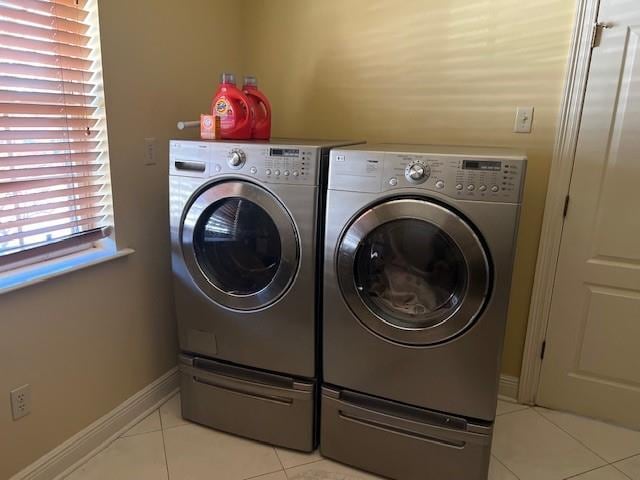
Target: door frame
(586,18)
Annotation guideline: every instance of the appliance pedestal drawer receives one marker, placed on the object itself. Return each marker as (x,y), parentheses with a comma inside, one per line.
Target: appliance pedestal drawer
(402,442)
(266,407)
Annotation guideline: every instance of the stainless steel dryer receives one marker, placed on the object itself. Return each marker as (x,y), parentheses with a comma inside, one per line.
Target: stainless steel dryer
(244,232)
(419,250)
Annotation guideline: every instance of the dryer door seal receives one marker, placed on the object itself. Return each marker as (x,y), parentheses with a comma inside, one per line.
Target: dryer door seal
(413,272)
(240,245)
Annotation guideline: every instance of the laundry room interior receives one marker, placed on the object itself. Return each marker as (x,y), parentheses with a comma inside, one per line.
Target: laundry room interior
(295,239)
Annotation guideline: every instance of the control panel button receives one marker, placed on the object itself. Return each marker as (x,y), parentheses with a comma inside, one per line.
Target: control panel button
(471,187)
(268,171)
(495,188)
(277,173)
(459,186)
(295,173)
(440,184)
(254,170)
(286,173)
(482,188)
(218,167)
(393,182)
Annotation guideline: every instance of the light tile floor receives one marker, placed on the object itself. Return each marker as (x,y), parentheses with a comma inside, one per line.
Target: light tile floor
(529,444)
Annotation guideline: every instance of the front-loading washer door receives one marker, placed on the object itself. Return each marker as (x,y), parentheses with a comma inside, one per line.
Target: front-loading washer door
(413,272)
(240,245)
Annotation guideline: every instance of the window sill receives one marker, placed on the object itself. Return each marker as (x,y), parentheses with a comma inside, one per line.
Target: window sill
(43,271)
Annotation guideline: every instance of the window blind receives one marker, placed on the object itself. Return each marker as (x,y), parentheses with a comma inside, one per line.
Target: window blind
(54,171)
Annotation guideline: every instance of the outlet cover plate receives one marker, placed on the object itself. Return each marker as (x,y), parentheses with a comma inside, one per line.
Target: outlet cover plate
(21,401)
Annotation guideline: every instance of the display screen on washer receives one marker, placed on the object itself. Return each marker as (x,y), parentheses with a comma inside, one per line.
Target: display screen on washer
(284,152)
(481,165)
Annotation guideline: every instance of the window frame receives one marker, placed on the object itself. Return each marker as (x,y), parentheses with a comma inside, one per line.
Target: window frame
(76,250)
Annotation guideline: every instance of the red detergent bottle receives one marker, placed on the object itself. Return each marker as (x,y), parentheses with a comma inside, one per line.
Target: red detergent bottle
(261,107)
(234,109)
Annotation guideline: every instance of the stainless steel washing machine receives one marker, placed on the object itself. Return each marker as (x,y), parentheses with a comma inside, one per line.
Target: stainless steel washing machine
(244,237)
(419,251)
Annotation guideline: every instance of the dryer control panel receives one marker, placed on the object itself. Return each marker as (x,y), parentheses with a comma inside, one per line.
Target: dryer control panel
(267,163)
(490,175)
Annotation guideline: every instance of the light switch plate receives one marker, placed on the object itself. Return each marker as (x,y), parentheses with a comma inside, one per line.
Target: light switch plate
(524,120)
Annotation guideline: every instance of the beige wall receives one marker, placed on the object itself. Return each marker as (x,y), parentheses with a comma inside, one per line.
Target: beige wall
(430,71)
(413,71)
(89,340)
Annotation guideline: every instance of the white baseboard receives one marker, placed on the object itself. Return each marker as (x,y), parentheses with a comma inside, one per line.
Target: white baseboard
(88,442)
(508,388)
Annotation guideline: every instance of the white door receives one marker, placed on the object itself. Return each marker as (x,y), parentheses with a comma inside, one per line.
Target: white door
(592,360)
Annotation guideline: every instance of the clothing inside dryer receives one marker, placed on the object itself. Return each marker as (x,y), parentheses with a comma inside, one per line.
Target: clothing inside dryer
(237,246)
(410,273)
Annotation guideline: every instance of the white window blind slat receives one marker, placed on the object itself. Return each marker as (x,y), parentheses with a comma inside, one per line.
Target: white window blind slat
(49,8)
(30,198)
(31,31)
(36,135)
(54,172)
(21,14)
(45,160)
(47,122)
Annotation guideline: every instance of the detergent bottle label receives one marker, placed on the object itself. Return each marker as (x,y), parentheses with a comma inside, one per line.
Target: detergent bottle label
(224,110)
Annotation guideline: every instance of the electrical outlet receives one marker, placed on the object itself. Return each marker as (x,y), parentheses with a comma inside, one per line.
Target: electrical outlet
(524,120)
(149,151)
(21,401)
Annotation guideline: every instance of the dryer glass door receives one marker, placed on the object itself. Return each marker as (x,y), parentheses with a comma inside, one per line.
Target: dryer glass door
(240,245)
(413,271)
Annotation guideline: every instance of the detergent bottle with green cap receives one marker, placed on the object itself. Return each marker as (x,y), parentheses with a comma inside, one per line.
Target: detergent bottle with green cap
(261,128)
(234,109)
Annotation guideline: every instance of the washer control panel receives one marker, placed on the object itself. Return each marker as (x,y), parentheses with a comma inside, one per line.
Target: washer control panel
(269,163)
(462,176)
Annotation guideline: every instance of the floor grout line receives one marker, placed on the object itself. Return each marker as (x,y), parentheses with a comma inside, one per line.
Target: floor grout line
(164,447)
(626,458)
(256,477)
(275,450)
(574,438)
(623,473)
(281,464)
(524,407)
(307,463)
(182,425)
(124,435)
(507,468)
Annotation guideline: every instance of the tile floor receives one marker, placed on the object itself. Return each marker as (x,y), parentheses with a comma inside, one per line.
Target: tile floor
(529,444)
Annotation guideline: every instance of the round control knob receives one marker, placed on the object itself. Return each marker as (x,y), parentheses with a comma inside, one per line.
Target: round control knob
(237,159)
(440,184)
(254,170)
(459,186)
(268,171)
(277,173)
(393,182)
(417,172)
(495,188)
(286,173)
(482,188)
(471,187)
